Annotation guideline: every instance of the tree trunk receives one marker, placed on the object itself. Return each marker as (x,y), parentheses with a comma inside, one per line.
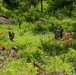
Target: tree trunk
(41,5)
(54,10)
(30,3)
(70,12)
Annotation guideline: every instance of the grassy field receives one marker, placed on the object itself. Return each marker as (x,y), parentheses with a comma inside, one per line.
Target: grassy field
(52,54)
(35,41)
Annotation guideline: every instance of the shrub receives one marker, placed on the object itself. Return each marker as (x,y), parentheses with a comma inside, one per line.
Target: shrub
(32,16)
(38,27)
(12,4)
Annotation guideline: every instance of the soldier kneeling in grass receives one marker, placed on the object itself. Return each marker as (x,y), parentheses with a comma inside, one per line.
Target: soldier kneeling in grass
(11,35)
(12,53)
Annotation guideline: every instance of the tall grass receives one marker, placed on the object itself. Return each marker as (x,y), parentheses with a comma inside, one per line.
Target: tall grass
(50,53)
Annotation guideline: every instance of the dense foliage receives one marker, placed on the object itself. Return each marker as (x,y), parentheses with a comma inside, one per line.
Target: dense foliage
(33,23)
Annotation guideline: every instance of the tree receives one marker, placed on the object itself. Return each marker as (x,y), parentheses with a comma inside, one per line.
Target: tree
(12,4)
(41,5)
(58,4)
(32,3)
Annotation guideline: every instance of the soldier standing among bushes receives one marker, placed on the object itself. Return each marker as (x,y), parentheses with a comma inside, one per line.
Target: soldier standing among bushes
(55,28)
(12,53)
(58,32)
(61,32)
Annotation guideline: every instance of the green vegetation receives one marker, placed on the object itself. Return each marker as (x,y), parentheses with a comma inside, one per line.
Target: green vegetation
(35,37)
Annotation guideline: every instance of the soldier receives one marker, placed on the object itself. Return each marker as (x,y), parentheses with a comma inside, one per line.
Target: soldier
(55,28)
(56,32)
(11,35)
(12,53)
(61,32)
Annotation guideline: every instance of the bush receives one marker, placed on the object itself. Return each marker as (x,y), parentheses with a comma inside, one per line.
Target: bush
(12,4)
(56,47)
(32,16)
(38,28)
